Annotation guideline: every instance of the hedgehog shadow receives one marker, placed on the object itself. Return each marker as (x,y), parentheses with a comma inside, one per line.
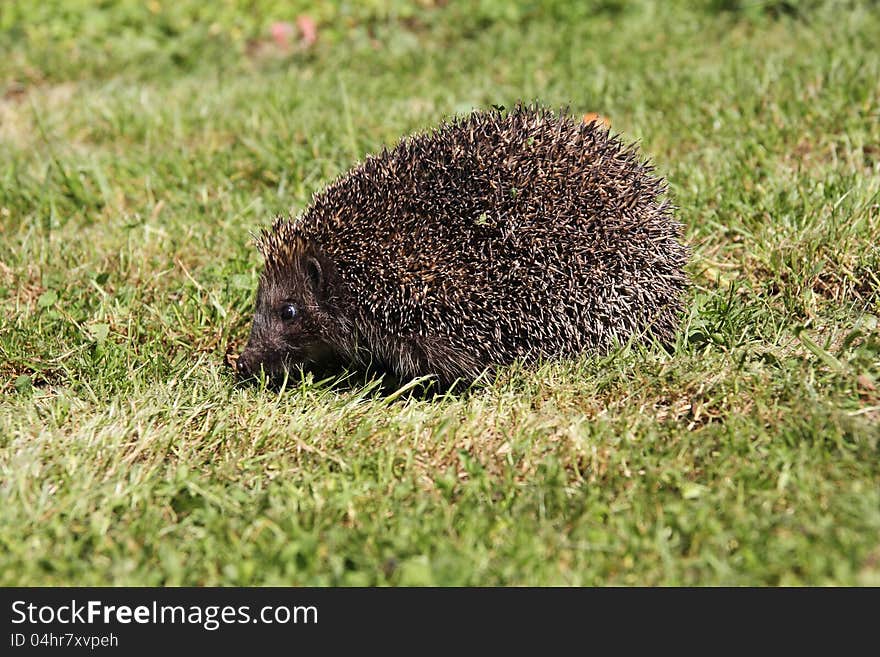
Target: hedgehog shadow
(371,380)
(377,381)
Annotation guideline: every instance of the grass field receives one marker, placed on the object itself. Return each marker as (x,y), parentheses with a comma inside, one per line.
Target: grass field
(141,143)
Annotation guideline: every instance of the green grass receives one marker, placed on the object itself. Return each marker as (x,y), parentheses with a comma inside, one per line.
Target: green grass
(141,143)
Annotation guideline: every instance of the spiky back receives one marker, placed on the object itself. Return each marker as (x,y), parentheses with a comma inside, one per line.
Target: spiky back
(499,236)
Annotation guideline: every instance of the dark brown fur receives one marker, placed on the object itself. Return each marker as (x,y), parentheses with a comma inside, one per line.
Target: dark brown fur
(501,236)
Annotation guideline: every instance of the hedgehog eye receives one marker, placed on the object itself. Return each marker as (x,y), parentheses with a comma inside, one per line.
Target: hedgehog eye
(287,312)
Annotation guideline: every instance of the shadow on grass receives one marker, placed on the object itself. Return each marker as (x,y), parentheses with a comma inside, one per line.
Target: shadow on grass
(340,377)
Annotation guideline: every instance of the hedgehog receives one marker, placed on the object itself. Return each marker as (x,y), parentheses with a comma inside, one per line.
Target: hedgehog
(501,236)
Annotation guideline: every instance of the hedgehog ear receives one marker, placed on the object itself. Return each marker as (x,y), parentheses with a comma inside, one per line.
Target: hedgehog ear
(315,275)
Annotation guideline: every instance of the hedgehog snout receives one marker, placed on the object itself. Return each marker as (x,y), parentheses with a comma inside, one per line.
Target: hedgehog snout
(260,353)
(272,363)
(275,357)
(243,364)
(248,364)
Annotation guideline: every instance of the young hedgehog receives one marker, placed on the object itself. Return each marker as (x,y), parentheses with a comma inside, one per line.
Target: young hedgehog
(500,236)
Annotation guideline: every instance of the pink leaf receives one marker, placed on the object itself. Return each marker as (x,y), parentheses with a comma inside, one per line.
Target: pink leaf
(308,29)
(282,33)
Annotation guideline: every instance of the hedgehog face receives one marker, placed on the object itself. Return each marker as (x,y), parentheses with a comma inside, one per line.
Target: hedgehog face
(289,328)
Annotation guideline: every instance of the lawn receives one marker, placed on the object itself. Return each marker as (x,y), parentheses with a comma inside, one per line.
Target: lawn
(141,143)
